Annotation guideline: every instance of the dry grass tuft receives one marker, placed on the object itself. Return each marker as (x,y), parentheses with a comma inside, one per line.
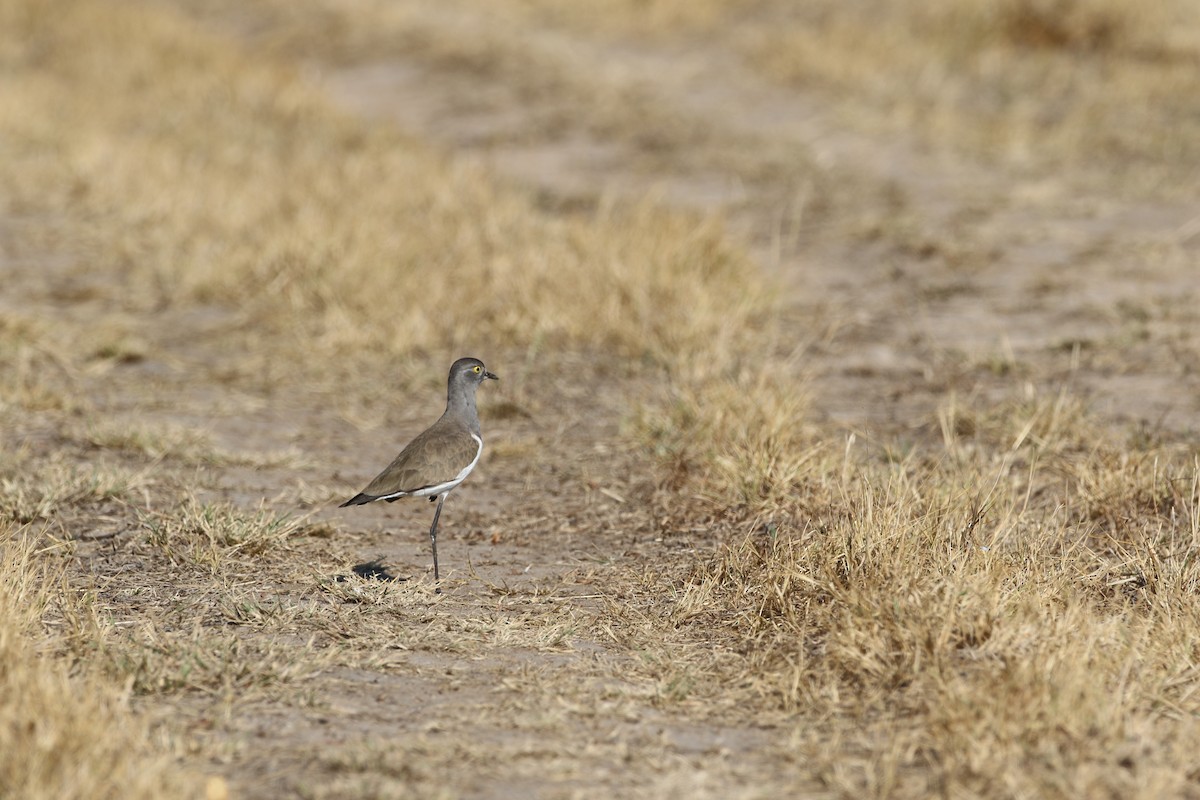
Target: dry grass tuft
(1072,25)
(37,377)
(1014,79)
(432,256)
(65,732)
(740,441)
(206,536)
(226,665)
(1002,623)
(40,489)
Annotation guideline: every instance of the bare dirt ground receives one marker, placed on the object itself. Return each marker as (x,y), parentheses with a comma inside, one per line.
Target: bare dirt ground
(906,274)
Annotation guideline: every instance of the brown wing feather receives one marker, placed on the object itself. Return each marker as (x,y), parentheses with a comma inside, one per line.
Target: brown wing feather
(436,456)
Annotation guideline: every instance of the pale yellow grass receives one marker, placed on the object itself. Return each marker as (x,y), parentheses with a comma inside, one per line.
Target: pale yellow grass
(639,18)
(1014,618)
(1032,82)
(739,440)
(252,192)
(1035,82)
(40,489)
(65,730)
(205,536)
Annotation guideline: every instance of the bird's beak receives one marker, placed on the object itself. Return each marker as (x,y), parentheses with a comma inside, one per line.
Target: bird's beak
(491,376)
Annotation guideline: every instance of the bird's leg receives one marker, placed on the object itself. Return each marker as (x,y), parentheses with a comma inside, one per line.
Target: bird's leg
(433,537)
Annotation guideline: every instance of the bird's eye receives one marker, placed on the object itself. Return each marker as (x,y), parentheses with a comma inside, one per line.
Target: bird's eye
(475,370)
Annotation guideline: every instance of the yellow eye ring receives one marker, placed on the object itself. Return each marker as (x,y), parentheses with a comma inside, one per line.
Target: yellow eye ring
(475,370)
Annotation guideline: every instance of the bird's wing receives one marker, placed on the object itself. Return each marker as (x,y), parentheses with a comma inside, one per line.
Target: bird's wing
(437,456)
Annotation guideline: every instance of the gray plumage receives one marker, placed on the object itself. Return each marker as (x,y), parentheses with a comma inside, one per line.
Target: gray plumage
(441,457)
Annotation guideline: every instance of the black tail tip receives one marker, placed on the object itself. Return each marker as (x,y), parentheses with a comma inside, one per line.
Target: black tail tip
(357,500)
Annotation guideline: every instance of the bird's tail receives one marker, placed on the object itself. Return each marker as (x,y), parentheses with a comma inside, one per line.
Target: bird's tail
(358,500)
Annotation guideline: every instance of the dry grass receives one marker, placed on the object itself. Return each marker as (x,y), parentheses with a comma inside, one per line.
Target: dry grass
(1003,606)
(1012,621)
(36,489)
(1014,79)
(428,256)
(1031,82)
(65,730)
(36,377)
(739,441)
(205,536)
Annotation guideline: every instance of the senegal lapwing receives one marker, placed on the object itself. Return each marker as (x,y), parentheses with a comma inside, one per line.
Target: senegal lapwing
(442,457)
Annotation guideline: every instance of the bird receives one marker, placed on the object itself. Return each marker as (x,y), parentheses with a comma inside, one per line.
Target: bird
(439,459)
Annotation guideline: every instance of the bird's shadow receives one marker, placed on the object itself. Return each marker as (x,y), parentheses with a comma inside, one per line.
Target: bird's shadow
(372,571)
